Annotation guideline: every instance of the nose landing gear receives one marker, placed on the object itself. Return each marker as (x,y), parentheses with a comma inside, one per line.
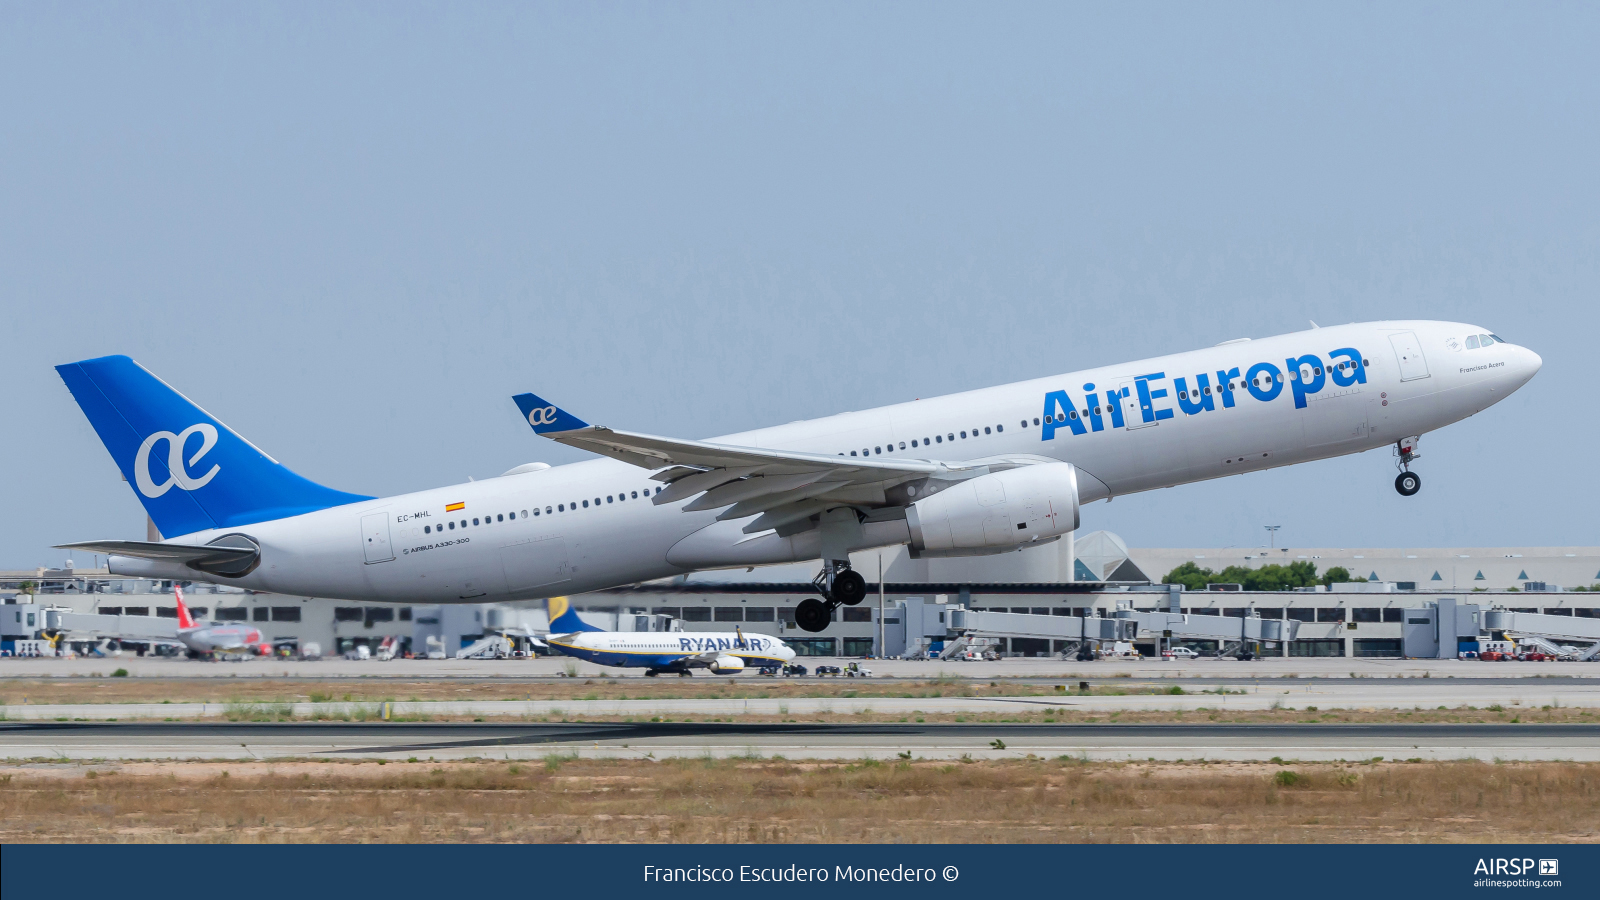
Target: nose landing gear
(1407,482)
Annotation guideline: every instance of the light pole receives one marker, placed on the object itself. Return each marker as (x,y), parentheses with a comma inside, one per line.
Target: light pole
(1272,535)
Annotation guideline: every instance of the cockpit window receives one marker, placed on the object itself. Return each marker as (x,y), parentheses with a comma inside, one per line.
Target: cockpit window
(1472,342)
(1499,338)
(1487,339)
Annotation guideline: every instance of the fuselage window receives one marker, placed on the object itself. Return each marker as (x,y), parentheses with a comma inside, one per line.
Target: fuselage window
(474,521)
(913,444)
(1035,420)
(902,445)
(1024,423)
(939,439)
(986,431)
(1207,389)
(1073,414)
(597,501)
(535,512)
(585,504)
(452,526)
(950,437)
(852,453)
(500,518)
(608,499)
(427,529)
(877,449)
(1049,419)
(999,428)
(636,493)
(546,510)
(963,435)
(463,523)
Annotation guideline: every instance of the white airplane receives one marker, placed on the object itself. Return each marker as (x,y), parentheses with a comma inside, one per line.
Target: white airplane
(662,651)
(987,471)
(216,637)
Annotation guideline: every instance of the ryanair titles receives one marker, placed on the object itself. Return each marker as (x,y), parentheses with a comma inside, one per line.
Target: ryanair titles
(708,644)
(1263,381)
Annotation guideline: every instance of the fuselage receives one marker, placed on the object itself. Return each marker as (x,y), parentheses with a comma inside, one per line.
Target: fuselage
(220,638)
(1234,408)
(670,649)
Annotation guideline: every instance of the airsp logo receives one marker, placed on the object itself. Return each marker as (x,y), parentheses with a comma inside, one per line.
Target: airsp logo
(542,415)
(179,473)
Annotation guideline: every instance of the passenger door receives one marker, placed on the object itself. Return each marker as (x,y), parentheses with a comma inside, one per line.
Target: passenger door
(1132,413)
(1408,350)
(375,538)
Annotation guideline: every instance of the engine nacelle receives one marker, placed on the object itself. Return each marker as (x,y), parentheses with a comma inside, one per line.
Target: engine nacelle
(997,512)
(727,665)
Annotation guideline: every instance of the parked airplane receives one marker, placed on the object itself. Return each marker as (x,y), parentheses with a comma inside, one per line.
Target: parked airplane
(987,471)
(662,651)
(215,637)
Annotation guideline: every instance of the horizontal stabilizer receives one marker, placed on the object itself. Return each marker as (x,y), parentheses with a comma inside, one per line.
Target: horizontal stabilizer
(214,558)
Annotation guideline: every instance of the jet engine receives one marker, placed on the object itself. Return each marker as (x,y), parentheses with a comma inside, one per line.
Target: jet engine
(727,665)
(997,512)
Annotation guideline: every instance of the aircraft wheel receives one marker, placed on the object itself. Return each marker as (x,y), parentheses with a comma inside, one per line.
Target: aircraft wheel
(849,587)
(651,673)
(812,615)
(1408,483)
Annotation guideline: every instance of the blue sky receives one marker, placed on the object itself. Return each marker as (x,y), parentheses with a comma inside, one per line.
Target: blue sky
(353,231)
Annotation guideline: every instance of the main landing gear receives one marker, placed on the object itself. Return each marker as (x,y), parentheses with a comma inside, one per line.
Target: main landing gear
(840,585)
(1407,482)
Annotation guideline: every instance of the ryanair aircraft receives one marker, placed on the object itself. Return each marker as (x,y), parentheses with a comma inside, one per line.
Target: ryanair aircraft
(665,651)
(988,471)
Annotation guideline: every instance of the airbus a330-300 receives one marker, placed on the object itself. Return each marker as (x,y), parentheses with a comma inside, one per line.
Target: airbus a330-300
(987,471)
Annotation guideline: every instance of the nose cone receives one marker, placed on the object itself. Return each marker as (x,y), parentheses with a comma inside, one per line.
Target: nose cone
(1524,365)
(786,652)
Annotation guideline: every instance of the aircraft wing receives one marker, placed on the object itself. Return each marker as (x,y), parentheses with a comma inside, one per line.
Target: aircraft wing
(783,487)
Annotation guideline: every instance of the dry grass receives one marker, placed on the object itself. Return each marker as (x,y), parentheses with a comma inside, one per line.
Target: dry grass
(352,690)
(565,800)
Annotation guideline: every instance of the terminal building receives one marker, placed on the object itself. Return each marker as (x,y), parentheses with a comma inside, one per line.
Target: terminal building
(1096,577)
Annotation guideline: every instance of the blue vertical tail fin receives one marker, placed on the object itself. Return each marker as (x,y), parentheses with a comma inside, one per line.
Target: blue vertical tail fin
(564,619)
(191,472)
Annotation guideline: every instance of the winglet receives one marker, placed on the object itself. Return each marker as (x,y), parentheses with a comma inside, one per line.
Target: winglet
(547,418)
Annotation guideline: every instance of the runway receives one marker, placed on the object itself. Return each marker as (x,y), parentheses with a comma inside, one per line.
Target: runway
(261,741)
(1208,693)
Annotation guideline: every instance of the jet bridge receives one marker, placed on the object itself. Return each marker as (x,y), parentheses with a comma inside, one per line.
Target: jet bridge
(1125,625)
(1552,629)
(135,628)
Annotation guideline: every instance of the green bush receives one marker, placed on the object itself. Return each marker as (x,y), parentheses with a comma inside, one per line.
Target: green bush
(120,673)
(1270,577)
(1286,778)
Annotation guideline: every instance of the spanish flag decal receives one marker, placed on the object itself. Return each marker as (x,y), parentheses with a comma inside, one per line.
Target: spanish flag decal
(455,506)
